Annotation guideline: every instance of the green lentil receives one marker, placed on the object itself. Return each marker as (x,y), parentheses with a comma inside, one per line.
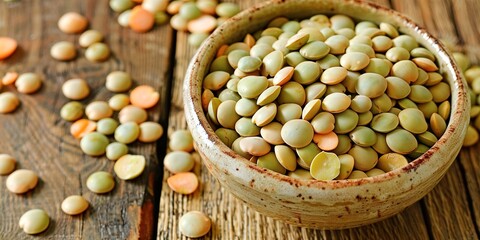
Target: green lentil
(94,144)
(227,10)
(297,133)
(97,52)
(307,72)
(401,141)
(107,126)
(100,182)
(189,11)
(116,150)
(34,221)
(72,111)
(118,81)
(118,101)
(127,132)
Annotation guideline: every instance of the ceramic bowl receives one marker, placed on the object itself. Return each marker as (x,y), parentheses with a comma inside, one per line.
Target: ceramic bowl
(322,204)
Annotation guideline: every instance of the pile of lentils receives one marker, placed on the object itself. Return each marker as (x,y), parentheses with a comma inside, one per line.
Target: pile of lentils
(199,18)
(327,98)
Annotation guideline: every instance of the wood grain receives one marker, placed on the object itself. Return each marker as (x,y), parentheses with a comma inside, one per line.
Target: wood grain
(39,139)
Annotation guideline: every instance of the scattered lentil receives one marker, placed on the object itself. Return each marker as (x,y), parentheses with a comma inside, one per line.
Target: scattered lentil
(178,161)
(94,144)
(76,89)
(8,102)
(116,150)
(150,132)
(63,51)
(9,45)
(183,183)
(7,164)
(28,83)
(129,166)
(194,224)
(97,52)
(72,22)
(82,127)
(21,181)
(90,37)
(72,111)
(118,81)
(100,182)
(34,221)
(74,205)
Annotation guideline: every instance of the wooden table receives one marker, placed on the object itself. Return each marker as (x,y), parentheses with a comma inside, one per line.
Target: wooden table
(146,208)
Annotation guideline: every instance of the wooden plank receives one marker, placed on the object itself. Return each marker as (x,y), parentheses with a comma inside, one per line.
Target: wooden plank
(234,220)
(40,140)
(465,15)
(447,206)
(470,162)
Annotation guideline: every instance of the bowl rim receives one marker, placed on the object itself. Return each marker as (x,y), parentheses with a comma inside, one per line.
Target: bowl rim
(457,110)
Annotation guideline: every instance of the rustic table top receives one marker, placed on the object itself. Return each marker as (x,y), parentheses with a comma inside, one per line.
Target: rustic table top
(146,208)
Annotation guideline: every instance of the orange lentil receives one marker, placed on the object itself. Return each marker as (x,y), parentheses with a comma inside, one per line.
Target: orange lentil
(8,47)
(81,127)
(222,50)
(144,96)
(9,78)
(326,142)
(141,20)
(184,183)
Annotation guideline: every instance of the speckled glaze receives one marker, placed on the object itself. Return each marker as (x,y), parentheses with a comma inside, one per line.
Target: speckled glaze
(322,204)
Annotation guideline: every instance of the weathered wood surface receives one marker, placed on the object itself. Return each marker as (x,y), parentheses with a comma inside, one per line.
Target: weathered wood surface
(40,140)
(451,211)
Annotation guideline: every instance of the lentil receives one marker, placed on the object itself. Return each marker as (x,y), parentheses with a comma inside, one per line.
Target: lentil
(34,221)
(9,45)
(63,51)
(94,144)
(74,205)
(150,132)
(82,127)
(118,81)
(116,150)
(97,52)
(90,37)
(72,111)
(76,89)
(194,224)
(132,113)
(21,181)
(100,182)
(183,183)
(127,132)
(8,102)
(28,83)
(129,166)
(72,22)
(7,164)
